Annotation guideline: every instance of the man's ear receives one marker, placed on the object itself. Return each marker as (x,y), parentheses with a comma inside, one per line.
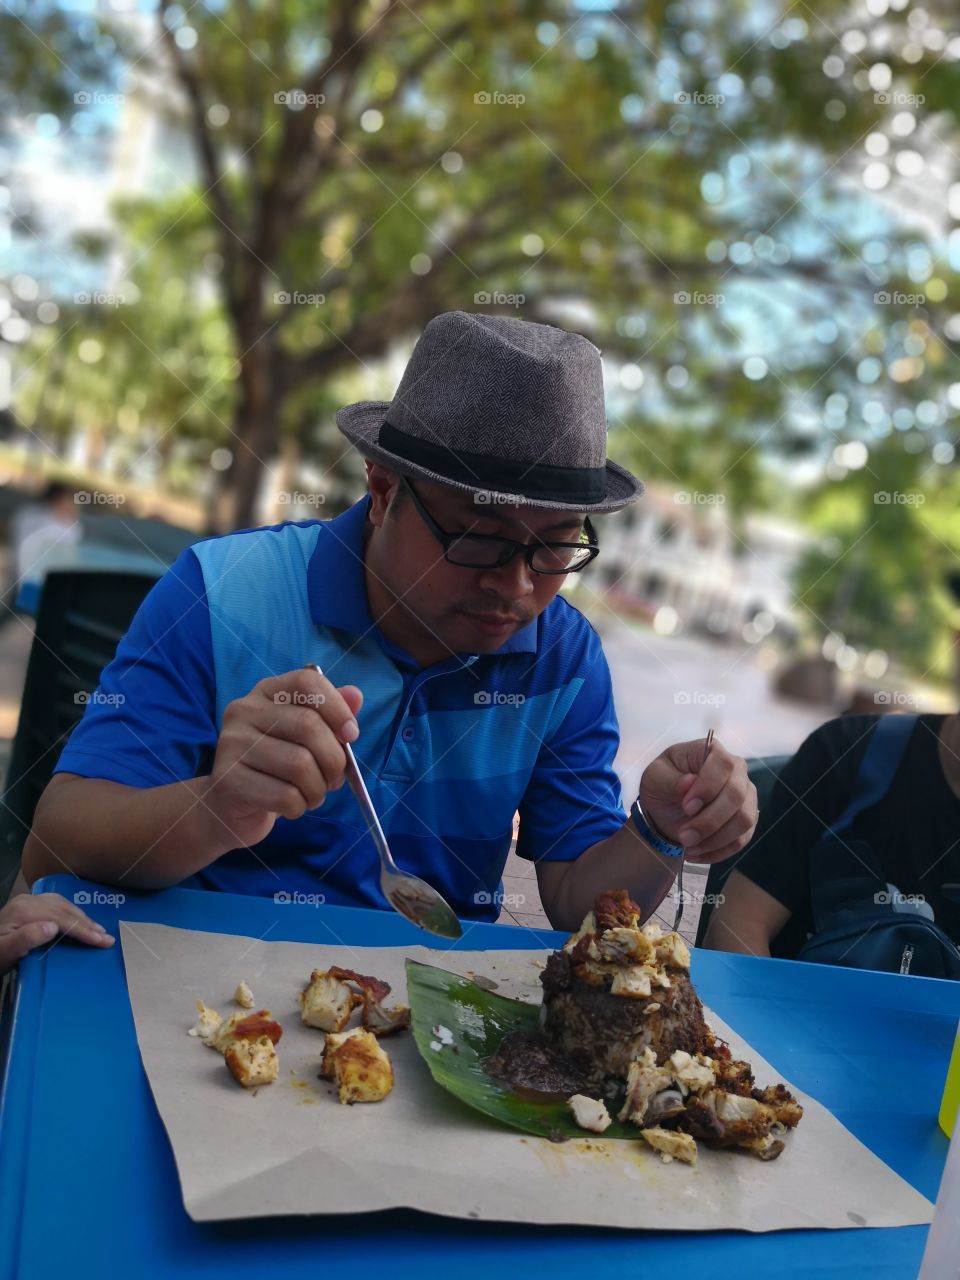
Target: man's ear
(382,483)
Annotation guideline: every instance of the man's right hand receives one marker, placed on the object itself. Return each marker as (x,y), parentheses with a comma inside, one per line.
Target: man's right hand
(279,752)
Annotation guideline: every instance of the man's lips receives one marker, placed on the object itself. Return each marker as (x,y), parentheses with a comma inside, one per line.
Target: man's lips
(493,622)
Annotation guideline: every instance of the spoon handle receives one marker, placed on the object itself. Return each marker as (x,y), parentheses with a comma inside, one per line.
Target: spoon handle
(359,788)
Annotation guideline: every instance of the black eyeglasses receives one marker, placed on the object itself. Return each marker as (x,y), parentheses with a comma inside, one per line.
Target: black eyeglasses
(487,551)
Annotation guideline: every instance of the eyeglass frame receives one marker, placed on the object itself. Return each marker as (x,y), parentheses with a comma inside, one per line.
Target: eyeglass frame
(527,549)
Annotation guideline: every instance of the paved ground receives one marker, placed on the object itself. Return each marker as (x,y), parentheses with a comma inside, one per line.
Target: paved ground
(666,690)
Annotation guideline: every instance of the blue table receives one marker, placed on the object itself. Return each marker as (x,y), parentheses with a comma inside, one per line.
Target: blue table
(88,1185)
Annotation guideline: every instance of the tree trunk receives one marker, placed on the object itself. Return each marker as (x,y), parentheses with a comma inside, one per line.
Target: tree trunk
(256,430)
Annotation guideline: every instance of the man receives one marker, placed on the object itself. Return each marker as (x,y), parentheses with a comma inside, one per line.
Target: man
(912,831)
(469,689)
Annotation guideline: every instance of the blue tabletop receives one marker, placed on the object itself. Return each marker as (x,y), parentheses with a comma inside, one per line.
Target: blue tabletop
(88,1185)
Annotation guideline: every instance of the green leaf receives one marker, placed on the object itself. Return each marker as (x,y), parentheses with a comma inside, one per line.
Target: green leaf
(478,1020)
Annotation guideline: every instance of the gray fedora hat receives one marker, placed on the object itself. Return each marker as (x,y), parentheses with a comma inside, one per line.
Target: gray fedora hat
(495,405)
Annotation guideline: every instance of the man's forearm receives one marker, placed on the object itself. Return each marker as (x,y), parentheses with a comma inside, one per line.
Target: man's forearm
(144,837)
(622,861)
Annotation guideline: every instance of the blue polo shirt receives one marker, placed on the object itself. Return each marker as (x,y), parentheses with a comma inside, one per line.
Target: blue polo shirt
(449,752)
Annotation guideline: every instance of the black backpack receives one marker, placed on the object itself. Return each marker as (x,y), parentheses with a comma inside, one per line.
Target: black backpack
(856,922)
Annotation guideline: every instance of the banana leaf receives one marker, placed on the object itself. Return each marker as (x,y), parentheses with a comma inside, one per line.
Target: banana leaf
(478,1020)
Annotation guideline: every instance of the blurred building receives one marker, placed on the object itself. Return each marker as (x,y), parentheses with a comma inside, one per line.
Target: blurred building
(678,551)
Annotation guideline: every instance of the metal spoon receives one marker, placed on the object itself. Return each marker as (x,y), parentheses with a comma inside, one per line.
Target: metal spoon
(412,897)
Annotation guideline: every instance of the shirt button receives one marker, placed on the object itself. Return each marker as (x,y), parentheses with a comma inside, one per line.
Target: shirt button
(409,734)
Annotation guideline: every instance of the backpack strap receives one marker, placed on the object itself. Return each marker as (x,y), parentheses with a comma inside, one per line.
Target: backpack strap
(843,871)
(879,765)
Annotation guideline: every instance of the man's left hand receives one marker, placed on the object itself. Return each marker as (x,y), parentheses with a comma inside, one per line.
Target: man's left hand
(710,810)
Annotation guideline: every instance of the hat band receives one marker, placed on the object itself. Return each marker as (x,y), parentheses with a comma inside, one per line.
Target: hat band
(577,485)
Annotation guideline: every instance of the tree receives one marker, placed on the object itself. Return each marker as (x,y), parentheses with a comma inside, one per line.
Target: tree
(400,158)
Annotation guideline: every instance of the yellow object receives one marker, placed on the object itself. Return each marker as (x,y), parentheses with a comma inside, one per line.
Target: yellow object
(950,1105)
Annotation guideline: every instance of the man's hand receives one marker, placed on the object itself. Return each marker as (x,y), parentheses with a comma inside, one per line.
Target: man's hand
(711,811)
(280,751)
(30,920)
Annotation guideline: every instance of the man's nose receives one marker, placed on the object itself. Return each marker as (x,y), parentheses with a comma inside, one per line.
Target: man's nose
(515,578)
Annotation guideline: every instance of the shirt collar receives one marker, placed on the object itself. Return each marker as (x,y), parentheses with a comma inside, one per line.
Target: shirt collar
(337,590)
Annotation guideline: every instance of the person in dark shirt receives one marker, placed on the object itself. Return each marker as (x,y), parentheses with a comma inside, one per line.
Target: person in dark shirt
(914,831)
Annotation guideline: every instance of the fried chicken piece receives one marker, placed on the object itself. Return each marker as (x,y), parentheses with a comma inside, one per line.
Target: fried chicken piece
(644,1081)
(615,909)
(332,1042)
(672,952)
(782,1103)
(632,980)
(373,988)
(625,947)
(245,1026)
(589,1113)
(327,1002)
(693,1075)
(732,1120)
(359,1065)
(733,1075)
(384,1022)
(244,996)
(253,1062)
(671,1145)
(207,1024)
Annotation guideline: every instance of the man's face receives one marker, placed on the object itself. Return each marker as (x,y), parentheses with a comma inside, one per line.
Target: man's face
(443,607)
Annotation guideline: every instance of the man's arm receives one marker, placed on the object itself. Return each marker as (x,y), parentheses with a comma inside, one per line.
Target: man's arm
(622,861)
(707,805)
(770,884)
(747,920)
(279,752)
(144,837)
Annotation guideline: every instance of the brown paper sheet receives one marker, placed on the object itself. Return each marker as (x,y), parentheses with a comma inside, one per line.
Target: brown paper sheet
(291,1148)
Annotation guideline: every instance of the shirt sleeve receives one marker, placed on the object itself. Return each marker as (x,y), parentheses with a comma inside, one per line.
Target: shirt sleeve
(811,793)
(574,797)
(152,719)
